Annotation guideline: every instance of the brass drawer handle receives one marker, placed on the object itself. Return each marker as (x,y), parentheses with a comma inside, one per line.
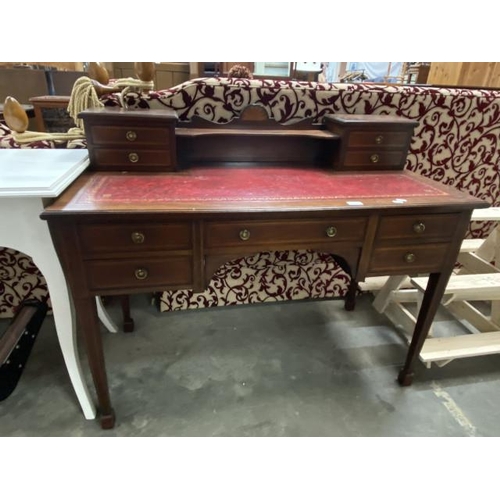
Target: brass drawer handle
(419,227)
(133,157)
(410,258)
(141,273)
(379,139)
(374,158)
(131,136)
(331,231)
(138,237)
(244,234)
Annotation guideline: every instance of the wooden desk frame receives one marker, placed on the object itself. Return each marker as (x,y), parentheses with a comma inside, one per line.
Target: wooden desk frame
(107,247)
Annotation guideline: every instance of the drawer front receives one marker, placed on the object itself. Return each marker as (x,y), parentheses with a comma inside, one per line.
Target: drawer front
(378,139)
(140,273)
(137,137)
(132,158)
(237,234)
(408,259)
(374,158)
(107,238)
(430,226)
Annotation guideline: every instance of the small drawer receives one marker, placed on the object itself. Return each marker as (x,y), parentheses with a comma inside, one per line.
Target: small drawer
(140,237)
(374,159)
(378,139)
(132,158)
(429,227)
(299,234)
(140,273)
(407,259)
(139,137)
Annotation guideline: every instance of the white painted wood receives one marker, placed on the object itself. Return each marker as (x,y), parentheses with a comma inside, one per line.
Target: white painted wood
(402,317)
(22,229)
(465,311)
(384,296)
(27,176)
(461,346)
(39,172)
(472,245)
(103,315)
(486,214)
(468,286)
(475,264)
(375,283)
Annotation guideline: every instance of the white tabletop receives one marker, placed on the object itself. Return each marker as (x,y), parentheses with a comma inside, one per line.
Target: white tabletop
(39,172)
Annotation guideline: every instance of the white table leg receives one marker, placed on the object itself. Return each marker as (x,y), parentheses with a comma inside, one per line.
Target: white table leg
(22,229)
(105,317)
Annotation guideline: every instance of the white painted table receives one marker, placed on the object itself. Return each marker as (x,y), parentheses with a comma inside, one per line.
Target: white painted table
(28,179)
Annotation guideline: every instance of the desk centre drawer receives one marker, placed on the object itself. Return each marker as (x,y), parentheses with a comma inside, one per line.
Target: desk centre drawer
(421,227)
(241,233)
(112,238)
(140,273)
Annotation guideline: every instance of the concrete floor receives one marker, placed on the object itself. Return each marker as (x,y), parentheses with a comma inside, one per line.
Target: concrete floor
(281,369)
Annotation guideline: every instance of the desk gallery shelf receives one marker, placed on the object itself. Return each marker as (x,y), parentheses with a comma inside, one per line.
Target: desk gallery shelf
(250,132)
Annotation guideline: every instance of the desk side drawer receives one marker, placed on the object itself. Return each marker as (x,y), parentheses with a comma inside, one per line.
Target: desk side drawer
(299,233)
(378,139)
(140,273)
(131,136)
(426,226)
(131,158)
(115,238)
(408,259)
(374,159)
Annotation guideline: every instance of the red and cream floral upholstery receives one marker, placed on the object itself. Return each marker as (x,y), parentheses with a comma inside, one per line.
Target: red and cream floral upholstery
(456,142)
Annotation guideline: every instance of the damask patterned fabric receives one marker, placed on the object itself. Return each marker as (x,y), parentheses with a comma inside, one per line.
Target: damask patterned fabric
(456,142)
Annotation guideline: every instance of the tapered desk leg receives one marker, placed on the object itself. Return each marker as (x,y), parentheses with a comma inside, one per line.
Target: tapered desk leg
(430,303)
(86,312)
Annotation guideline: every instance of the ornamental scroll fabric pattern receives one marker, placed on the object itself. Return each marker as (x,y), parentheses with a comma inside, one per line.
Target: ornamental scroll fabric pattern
(456,142)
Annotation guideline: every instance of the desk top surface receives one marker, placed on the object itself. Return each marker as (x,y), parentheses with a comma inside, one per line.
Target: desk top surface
(253,189)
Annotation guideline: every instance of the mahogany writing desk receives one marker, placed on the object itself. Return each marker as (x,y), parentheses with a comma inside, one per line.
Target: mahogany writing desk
(165,205)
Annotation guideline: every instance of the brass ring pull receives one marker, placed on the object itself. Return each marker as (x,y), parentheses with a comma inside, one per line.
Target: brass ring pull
(419,227)
(331,231)
(379,139)
(374,158)
(244,234)
(141,273)
(410,258)
(138,237)
(133,157)
(131,136)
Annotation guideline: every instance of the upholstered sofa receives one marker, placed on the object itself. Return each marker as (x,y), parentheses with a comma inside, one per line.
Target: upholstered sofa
(456,142)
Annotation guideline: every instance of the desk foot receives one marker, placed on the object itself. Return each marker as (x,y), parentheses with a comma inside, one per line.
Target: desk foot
(108,421)
(405,378)
(350,297)
(128,321)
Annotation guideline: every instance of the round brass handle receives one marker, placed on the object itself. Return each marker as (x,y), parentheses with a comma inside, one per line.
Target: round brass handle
(410,257)
(331,231)
(244,234)
(133,157)
(138,237)
(379,139)
(419,227)
(131,136)
(141,273)
(374,158)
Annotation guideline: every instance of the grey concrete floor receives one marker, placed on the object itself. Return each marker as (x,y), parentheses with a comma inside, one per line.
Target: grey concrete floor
(282,369)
